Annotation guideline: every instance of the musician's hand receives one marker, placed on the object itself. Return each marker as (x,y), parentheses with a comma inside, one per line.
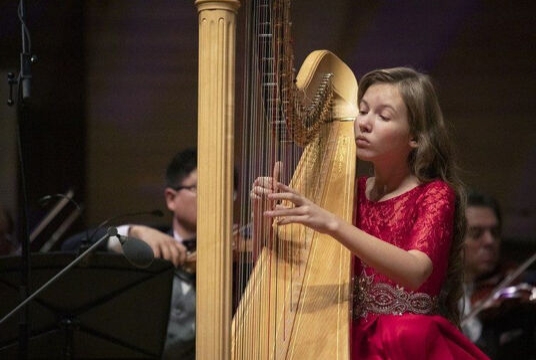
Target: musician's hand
(264,185)
(302,211)
(190,265)
(163,245)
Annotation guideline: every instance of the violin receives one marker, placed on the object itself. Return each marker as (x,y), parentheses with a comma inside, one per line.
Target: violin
(506,300)
(492,299)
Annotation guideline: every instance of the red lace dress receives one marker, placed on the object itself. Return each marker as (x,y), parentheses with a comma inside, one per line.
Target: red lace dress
(390,322)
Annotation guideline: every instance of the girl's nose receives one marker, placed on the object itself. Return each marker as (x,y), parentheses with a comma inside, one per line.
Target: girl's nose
(364,124)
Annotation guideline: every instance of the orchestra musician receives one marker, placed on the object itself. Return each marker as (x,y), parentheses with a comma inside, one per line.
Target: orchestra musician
(505,327)
(176,244)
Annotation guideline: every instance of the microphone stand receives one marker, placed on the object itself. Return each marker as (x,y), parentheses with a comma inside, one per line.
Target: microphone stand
(112,231)
(23,94)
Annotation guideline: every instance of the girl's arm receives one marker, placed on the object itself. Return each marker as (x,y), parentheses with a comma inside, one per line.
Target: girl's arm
(407,268)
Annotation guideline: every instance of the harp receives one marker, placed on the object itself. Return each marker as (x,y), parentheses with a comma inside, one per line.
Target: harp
(296,301)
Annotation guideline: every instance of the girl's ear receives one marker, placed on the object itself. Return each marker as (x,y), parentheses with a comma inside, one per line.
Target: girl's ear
(413,143)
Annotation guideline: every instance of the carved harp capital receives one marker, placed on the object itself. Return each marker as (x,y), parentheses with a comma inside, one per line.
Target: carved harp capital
(229,5)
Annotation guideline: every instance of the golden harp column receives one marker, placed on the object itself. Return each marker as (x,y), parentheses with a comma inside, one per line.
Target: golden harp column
(216,88)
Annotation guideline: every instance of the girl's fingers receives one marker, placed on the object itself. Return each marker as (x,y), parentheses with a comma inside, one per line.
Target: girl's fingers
(276,174)
(286,188)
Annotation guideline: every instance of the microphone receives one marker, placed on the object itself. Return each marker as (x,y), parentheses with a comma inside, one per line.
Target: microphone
(25,76)
(155,212)
(26,59)
(137,252)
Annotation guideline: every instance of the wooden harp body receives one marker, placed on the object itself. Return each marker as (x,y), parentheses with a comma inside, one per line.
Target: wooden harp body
(297,301)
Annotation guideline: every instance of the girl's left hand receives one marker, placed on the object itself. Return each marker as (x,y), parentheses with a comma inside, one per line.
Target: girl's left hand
(303,212)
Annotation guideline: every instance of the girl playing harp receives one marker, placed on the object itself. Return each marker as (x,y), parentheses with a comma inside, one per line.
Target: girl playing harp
(408,226)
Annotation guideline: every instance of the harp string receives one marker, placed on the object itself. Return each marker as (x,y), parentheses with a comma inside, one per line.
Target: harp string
(287,118)
(268,73)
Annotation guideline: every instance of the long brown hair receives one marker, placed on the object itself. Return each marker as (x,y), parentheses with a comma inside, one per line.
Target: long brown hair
(432,159)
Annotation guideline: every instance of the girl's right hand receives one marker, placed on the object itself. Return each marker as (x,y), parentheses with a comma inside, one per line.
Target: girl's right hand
(262,226)
(264,185)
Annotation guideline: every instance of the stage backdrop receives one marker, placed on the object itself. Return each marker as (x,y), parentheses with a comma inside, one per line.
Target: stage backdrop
(116,86)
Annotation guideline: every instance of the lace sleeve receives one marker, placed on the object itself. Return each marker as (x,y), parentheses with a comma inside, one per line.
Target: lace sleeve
(433,229)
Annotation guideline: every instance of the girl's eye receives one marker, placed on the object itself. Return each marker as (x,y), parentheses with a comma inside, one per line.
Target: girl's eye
(384,118)
(363,110)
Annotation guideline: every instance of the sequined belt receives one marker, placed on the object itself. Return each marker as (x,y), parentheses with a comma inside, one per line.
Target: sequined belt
(386,299)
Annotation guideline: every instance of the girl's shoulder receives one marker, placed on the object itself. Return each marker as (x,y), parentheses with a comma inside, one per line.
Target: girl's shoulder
(435,190)
(438,185)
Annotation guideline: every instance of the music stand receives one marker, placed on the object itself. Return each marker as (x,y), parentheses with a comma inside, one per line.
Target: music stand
(104,308)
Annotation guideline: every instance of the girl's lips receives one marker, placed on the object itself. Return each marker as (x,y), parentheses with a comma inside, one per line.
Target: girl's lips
(361,141)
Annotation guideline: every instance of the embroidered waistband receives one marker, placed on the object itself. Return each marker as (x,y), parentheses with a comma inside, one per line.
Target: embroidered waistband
(386,299)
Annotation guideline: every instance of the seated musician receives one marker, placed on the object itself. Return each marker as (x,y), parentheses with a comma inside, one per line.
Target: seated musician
(173,245)
(176,244)
(505,328)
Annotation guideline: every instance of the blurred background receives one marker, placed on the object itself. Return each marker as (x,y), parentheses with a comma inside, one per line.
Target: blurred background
(114,93)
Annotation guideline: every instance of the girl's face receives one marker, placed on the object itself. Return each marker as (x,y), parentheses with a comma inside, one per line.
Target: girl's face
(382,133)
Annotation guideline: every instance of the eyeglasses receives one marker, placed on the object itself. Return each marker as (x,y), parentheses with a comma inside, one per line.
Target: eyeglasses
(192,188)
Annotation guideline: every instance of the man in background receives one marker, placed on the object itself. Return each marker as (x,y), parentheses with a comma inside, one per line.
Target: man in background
(505,329)
(176,244)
